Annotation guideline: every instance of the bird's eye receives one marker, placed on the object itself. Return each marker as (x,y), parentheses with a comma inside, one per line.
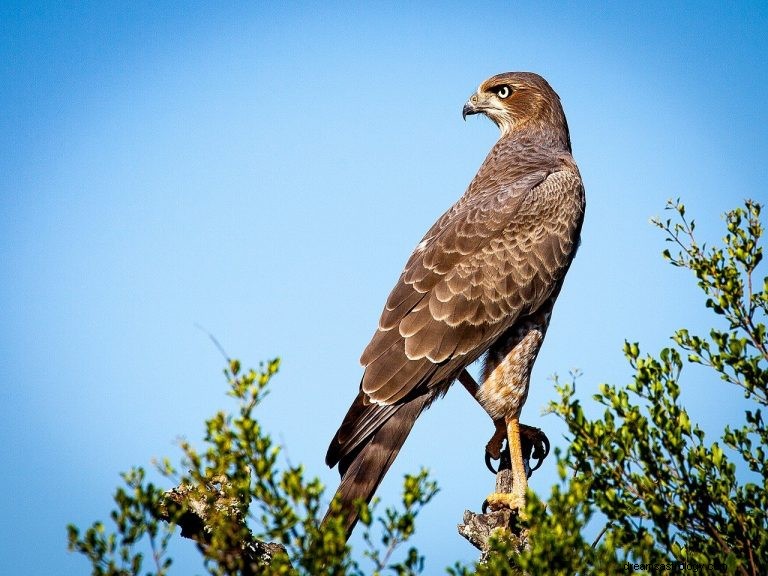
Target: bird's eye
(503,91)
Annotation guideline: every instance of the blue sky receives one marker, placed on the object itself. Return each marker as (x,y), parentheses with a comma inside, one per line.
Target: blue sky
(264,171)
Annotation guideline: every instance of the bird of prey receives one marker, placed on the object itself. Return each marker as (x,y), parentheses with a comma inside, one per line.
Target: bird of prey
(482,282)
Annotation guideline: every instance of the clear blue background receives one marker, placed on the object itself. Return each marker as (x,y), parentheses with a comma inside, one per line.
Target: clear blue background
(265,170)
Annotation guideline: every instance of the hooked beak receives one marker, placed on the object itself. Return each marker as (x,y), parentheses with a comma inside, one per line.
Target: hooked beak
(468,110)
(473,106)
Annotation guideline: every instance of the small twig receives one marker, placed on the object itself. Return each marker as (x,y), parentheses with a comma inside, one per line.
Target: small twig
(215,342)
(388,554)
(155,554)
(602,533)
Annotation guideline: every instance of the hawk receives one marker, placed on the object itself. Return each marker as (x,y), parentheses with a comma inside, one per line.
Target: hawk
(482,282)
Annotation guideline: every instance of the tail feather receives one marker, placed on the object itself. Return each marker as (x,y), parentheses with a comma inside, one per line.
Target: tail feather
(363,469)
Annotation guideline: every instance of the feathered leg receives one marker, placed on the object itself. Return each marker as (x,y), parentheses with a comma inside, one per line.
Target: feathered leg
(534,443)
(506,378)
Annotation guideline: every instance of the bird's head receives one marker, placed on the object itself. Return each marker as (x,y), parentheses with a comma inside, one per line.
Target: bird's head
(517,101)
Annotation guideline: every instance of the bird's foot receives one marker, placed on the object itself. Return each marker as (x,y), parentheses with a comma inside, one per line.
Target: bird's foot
(534,444)
(495,445)
(499,501)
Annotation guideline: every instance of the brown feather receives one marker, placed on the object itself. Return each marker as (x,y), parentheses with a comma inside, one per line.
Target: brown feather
(364,469)
(491,262)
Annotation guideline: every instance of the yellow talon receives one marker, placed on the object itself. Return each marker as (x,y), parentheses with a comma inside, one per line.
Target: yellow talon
(516,499)
(499,501)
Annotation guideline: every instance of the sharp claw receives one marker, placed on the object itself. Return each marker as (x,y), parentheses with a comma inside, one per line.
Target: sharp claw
(545,441)
(489,465)
(540,451)
(485,506)
(535,447)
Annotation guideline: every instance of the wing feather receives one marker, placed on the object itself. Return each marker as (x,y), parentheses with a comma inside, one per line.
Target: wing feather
(466,283)
(497,254)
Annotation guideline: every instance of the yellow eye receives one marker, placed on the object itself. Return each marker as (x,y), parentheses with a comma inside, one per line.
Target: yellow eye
(503,91)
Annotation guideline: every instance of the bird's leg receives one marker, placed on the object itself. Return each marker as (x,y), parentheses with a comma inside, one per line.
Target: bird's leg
(506,380)
(534,442)
(469,383)
(494,446)
(514,500)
